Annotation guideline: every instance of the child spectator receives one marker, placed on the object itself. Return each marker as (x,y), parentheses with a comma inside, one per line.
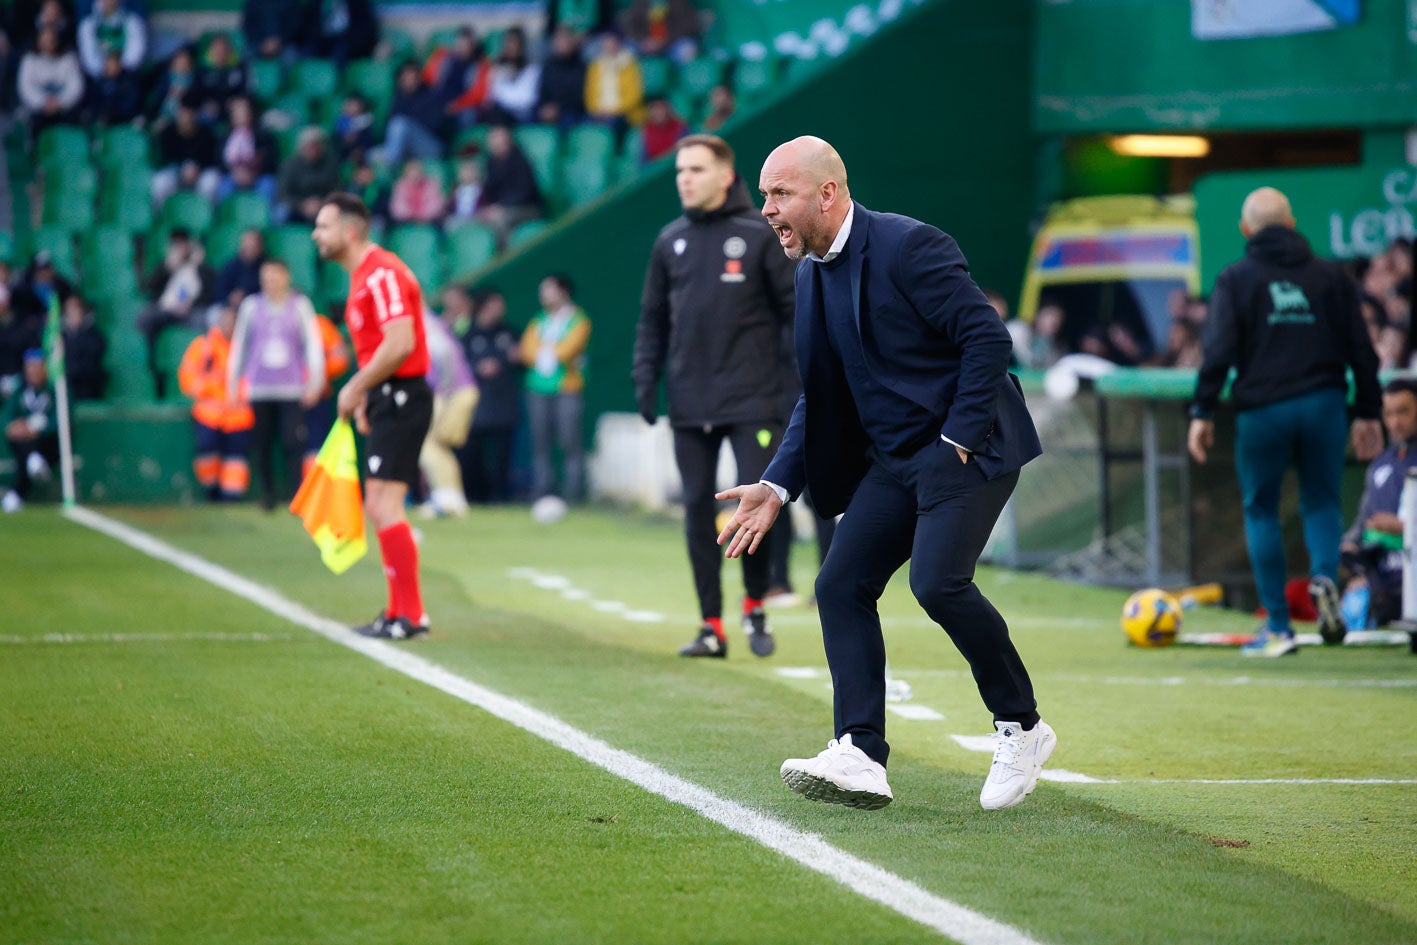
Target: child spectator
(417,197)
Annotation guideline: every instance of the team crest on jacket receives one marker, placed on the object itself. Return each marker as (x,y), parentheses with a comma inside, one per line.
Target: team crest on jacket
(680,245)
(733,250)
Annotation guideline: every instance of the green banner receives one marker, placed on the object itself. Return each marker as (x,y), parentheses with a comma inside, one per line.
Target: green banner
(1344,211)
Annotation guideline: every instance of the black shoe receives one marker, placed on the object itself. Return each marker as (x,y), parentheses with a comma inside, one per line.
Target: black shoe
(760,640)
(1327,603)
(707,643)
(401,628)
(378,627)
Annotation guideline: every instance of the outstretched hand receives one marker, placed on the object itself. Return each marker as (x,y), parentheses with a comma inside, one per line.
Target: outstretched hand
(758,506)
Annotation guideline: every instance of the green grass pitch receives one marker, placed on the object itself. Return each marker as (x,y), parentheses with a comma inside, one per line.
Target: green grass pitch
(179,765)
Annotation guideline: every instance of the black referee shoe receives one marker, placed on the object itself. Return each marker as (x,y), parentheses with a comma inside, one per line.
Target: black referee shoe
(707,643)
(393,628)
(760,640)
(378,627)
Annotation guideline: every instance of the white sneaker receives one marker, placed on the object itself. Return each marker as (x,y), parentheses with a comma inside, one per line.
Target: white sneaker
(1018,758)
(11,503)
(841,774)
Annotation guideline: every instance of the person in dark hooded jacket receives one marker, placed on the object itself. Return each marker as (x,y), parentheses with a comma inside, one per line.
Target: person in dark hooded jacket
(1289,324)
(716,325)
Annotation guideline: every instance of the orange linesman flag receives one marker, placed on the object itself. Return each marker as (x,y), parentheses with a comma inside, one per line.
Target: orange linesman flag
(329,502)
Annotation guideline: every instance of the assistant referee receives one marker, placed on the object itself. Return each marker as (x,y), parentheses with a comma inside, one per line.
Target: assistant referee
(388,397)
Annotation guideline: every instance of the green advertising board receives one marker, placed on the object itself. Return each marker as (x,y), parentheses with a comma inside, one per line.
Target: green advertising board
(1344,211)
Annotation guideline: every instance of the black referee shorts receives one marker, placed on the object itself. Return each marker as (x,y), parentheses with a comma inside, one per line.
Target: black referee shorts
(400,411)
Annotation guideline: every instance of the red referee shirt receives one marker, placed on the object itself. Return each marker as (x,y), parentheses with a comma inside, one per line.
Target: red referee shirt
(382,289)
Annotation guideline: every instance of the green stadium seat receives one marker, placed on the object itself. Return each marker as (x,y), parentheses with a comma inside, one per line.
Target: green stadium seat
(470,247)
(105,283)
(590,142)
(752,79)
(689,105)
(187,209)
(334,286)
(292,245)
(418,245)
(699,75)
(222,241)
(7,247)
(541,145)
(59,244)
(103,246)
(126,198)
(263,79)
(492,43)
(62,146)
(395,46)
(584,179)
(477,135)
(438,39)
(69,200)
(247,210)
(314,78)
(123,146)
(128,375)
(374,79)
(657,73)
(526,232)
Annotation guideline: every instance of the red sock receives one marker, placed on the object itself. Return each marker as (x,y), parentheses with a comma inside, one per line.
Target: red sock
(716,624)
(750,604)
(401,568)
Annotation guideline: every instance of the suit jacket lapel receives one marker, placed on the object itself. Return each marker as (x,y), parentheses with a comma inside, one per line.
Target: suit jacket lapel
(856,246)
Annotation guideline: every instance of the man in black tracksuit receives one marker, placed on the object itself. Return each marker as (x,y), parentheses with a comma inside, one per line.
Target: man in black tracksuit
(1288,323)
(716,322)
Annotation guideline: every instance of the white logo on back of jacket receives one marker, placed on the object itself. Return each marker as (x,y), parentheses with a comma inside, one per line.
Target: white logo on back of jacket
(680,245)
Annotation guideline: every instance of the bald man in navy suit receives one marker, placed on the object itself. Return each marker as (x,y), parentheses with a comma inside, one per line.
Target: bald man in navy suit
(911,425)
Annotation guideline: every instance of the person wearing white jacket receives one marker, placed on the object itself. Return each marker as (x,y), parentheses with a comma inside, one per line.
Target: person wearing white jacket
(51,84)
(110,28)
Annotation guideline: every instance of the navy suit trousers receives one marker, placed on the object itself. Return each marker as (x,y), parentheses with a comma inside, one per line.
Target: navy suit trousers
(936,512)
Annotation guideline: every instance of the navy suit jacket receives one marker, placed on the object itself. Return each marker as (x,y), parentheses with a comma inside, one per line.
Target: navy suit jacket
(928,334)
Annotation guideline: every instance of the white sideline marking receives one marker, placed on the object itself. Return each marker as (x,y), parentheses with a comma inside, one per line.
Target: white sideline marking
(951,919)
(800,672)
(607,606)
(1276,682)
(562,584)
(919,713)
(985,743)
(146,638)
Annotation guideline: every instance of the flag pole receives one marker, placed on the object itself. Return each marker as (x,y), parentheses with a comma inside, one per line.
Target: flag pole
(55,338)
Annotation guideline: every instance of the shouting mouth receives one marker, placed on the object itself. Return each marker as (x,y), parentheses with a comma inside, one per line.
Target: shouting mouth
(784,233)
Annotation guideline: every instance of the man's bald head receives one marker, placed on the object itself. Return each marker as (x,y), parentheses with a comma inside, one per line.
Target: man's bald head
(803,184)
(1265,207)
(814,161)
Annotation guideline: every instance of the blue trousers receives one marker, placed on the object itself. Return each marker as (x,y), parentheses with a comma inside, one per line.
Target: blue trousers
(1309,432)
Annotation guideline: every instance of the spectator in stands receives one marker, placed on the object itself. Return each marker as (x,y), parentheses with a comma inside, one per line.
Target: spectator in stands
(515,82)
(50,83)
(467,193)
(561,96)
(342,30)
(84,348)
(31,422)
(248,155)
(454,399)
(271,28)
(1183,347)
(115,97)
(1045,339)
(1371,549)
(722,104)
(221,78)
(614,87)
(16,337)
(662,129)
(110,28)
(417,197)
(171,89)
(354,128)
(414,121)
(320,417)
(460,77)
(663,28)
(51,15)
(1116,342)
(553,351)
(221,419)
(180,287)
(37,287)
(278,364)
(187,158)
(510,195)
(306,177)
(241,276)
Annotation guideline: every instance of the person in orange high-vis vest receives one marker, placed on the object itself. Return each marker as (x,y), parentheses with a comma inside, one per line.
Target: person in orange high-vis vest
(223,424)
(319,418)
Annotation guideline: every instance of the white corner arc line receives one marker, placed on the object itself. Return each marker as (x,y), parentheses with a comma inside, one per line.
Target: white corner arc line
(951,919)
